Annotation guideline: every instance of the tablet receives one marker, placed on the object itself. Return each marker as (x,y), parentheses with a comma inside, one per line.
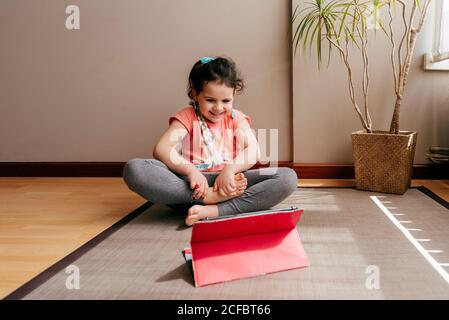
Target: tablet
(245,245)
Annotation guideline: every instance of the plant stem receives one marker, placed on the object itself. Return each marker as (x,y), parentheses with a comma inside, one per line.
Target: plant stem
(365,81)
(412,34)
(345,55)
(393,47)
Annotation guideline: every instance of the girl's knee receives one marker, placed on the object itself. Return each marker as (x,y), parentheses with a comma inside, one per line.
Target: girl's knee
(289,180)
(134,167)
(131,171)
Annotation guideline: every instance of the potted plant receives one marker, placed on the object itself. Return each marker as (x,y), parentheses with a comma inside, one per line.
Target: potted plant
(383,160)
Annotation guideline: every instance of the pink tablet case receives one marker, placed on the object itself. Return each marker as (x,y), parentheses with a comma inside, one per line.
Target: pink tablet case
(246,245)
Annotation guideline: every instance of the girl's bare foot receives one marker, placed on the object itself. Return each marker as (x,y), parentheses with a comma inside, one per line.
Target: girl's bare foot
(198,212)
(212,197)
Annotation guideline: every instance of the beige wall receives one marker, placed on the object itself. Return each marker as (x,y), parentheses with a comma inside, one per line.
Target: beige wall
(324,116)
(105,92)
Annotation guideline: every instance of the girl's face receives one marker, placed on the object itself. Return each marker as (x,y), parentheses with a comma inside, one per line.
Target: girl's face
(215,100)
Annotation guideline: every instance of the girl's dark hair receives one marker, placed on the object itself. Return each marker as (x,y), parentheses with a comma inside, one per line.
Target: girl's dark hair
(223,70)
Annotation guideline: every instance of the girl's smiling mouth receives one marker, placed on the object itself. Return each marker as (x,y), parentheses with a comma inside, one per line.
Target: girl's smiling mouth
(216,114)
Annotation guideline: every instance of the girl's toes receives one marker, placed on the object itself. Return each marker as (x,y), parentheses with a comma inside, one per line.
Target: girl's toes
(190,220)
(242,183)
(192,210)
(192,215)
(239,176)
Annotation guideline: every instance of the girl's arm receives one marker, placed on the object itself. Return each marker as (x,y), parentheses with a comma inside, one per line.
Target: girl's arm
(250,153)
(168,146)
(167,151)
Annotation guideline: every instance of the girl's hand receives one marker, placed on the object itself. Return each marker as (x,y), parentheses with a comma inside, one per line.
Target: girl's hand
(225,183)
(198,183)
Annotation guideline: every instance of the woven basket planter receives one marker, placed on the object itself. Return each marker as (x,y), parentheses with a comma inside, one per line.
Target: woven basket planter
(383,162)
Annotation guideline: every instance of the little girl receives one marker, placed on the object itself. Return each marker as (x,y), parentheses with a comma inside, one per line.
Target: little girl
(207,171)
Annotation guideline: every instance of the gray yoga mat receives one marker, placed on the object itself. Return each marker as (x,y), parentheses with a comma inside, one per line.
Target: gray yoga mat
(355,251)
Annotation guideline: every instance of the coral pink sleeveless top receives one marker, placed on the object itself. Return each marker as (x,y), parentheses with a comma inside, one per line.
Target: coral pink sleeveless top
(193,148)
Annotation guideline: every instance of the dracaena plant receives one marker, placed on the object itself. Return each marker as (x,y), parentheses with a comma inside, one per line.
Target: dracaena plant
(342,24)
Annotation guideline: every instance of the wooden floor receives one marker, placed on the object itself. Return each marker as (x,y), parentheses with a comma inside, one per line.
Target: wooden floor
(42,220)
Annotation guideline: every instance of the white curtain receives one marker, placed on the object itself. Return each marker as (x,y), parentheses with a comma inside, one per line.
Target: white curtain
(442,39)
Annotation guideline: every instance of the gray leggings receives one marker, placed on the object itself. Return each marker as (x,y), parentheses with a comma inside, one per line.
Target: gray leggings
(154,181)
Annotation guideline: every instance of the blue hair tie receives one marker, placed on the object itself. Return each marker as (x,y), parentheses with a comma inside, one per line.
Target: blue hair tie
(205,60)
